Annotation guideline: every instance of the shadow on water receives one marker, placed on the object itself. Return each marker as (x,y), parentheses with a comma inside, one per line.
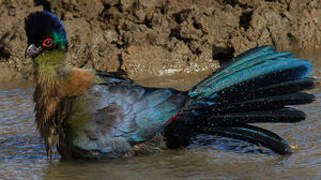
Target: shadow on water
(22,154)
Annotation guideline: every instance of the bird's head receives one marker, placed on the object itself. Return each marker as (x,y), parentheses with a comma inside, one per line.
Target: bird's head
(45,34)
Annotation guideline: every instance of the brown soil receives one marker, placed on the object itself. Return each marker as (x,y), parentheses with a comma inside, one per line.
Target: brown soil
(156,37)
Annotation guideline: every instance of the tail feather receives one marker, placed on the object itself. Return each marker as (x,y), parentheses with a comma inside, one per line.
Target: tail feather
(282,88)
(240,94)
(255,73)
(263,88)
(264,103)
(256,76)
(254,135)
(256,87)
(288,114)
(240,62)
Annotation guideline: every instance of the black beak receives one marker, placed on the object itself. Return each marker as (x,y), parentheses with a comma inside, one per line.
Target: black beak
(32,51)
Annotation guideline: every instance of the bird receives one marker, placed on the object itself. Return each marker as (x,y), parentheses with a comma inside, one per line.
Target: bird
(86,113)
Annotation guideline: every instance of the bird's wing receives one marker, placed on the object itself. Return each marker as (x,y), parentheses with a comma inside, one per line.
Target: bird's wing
(121,113)
(142,112)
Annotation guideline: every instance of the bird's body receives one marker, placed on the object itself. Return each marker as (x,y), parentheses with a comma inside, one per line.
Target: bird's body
(91,114)
(103,114)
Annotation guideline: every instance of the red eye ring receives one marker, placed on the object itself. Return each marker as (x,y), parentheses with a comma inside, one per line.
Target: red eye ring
(47,42)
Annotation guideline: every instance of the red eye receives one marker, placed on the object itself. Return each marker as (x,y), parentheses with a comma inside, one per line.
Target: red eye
(47,42)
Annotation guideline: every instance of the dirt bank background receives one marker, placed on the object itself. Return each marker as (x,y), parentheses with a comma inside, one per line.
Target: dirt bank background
(156,37)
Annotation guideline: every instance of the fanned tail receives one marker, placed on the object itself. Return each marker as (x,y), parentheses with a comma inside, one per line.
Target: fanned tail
(256,87)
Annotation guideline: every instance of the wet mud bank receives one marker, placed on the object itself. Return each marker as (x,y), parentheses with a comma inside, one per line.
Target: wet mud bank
(160,37)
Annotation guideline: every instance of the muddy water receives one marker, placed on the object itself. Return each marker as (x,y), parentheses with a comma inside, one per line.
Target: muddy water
(22,155)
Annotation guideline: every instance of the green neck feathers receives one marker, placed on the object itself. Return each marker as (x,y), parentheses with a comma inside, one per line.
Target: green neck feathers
(49,62)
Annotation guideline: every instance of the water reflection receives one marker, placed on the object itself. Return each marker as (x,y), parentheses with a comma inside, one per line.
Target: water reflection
(22,154)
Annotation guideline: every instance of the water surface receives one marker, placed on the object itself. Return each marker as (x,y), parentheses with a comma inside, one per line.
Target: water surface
(22,154)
